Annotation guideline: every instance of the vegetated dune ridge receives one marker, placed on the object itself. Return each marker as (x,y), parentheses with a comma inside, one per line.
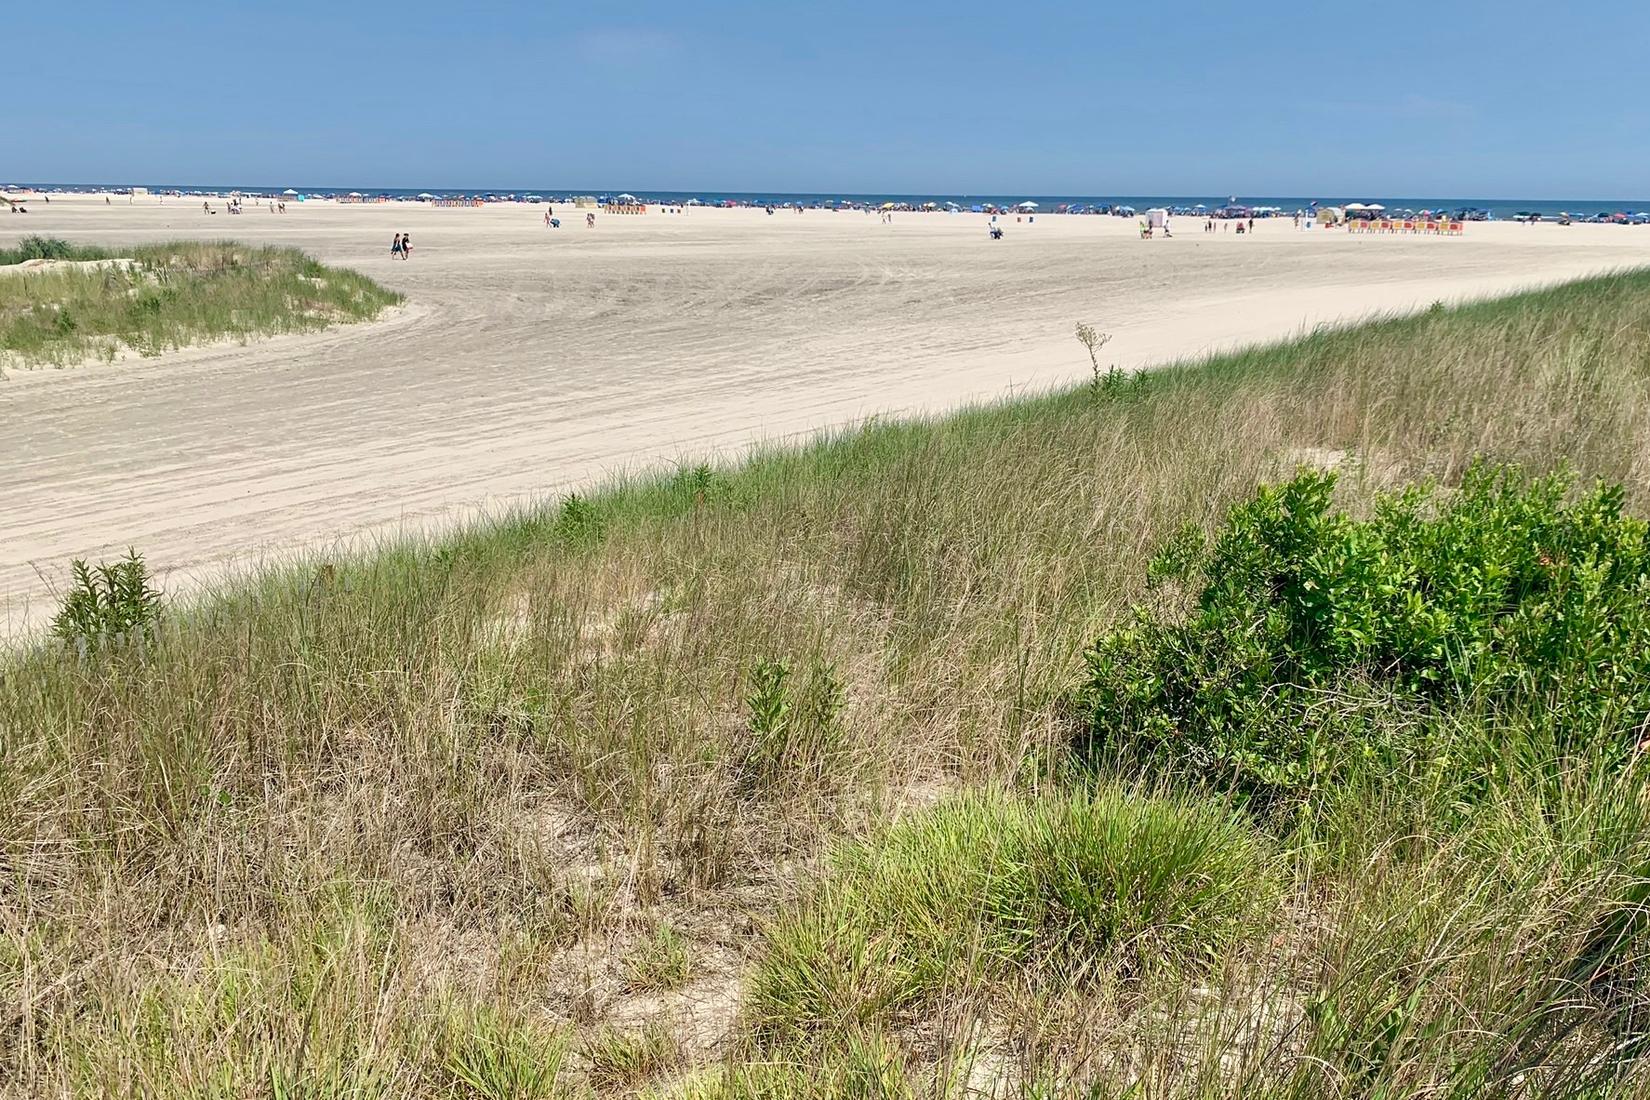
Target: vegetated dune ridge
(71,304)
(593,801)
(532,360)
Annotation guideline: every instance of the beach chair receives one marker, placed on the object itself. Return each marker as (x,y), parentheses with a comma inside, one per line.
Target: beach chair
(1409,227)
(1456,229)
(1432,227)
(1386,225)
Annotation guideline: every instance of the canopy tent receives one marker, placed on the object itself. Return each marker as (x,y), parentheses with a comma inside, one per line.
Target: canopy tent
(425,195)
(289,191)
(355,195)
(1374,206)
(1027,205)
(627,199)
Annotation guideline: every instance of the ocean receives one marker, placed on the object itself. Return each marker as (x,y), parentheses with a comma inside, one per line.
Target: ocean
(1497,207)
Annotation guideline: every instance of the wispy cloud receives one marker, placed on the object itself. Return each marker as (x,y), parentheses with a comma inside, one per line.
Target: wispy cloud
(625,46)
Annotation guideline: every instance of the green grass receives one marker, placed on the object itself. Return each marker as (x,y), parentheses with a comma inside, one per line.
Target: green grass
(1057,893)
(168,296)
(324,820)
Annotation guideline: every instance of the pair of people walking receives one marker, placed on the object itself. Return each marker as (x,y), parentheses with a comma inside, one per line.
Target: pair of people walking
(401,247)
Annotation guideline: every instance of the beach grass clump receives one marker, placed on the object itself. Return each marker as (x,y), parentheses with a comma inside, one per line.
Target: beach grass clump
(1314,642)
(49,248)
(1054,892)
(403,822)
(154,298)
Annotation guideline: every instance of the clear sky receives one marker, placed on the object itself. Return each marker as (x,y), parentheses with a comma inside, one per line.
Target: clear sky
(1458,98)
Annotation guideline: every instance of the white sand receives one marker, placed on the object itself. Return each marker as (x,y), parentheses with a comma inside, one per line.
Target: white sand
(529,360)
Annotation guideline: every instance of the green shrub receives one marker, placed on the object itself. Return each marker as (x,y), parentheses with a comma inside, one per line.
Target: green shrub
(991,888)
(1317,639)
(110,602)
(794,728)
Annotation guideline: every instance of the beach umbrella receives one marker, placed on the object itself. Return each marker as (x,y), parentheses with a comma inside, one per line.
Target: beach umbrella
(425,195)
(627,198)
(1028,205)
(1374,206)
(1356,206)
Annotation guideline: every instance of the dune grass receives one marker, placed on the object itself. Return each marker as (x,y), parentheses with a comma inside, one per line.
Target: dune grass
(151,298)
(383,826)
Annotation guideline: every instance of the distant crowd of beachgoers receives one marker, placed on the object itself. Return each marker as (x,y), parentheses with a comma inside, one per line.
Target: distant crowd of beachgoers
(1232,210)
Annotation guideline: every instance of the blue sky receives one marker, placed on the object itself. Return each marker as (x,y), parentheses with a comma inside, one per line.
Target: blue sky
(1449,97)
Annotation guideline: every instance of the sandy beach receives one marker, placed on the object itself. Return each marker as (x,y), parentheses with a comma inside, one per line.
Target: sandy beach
(530,360)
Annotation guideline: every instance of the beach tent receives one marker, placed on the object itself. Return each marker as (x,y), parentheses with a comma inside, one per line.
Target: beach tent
(1157,217)
(1028,205)
(289,191)
(425,195)
(627,199)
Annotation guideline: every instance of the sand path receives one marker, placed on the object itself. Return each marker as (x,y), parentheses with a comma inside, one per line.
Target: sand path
(529,360)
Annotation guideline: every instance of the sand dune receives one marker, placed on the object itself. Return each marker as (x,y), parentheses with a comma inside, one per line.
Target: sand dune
(530,359)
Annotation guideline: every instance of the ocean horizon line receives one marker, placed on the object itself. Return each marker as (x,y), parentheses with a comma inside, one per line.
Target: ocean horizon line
(1492,205)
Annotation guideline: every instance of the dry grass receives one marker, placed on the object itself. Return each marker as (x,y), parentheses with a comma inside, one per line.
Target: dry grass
(358,829)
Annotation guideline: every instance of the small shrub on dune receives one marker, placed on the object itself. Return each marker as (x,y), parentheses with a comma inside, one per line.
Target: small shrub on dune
(995,889)
(1317,641)
(111,602)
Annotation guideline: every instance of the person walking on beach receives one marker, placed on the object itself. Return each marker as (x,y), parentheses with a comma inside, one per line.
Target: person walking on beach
(406,246)
(395,248)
